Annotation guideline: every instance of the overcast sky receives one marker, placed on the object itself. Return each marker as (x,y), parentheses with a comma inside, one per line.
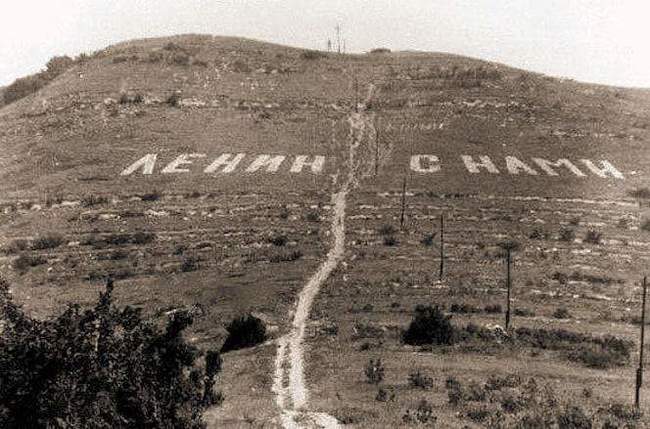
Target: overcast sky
(603,41)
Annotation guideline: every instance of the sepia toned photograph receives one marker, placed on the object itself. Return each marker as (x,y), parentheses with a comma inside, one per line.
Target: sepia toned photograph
(324,214)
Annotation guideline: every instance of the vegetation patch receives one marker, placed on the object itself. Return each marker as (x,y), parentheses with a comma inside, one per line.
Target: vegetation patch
(243,332)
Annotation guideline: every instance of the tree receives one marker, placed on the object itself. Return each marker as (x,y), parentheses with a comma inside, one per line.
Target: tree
(102,367)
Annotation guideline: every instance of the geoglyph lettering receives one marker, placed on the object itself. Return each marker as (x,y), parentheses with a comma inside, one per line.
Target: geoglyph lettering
(473,166)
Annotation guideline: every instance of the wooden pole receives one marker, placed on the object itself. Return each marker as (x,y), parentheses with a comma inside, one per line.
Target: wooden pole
(442,245)
(639,371)
(401,216)
(508,288)
(376,147)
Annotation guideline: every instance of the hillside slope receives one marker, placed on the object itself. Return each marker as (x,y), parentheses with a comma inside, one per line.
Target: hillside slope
(200,171)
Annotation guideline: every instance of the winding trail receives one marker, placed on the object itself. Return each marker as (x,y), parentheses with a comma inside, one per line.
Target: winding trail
(292,397)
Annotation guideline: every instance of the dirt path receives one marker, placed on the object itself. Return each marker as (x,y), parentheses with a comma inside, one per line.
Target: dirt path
(289,380)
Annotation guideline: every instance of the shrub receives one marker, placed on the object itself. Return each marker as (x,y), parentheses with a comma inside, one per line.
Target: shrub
(423,414)
(285,256)
(420,380)
(380,51)
(512,245)
(374,371)
(279,240)
(493,308)
(538,234)
(101,367)
(240,66)
(574,417)
(191,263)
(390,240)
(312,216)
(174,100)
(25,86)
(598,357)
(180,58)
(567,234)
(523,312)
(429,326)
(312,55)
(126,98)
(49,241)
(243,332)
(93,200)
(427,240)
(593,237)
(151,196)
(15,246)
(463,308)
(641,193)
(561,313)
(24,262)
(141,237)
(384,395)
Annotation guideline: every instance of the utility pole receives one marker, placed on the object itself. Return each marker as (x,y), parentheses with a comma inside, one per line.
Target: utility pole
(376,147)
(401,217)
(639,371)
(338,38)
(508,282)
(442,245)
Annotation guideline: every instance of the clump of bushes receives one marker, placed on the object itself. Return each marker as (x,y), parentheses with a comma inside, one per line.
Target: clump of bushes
(593,237)
(422,414)
(374,371)
(285,256)
(101,367)
(429,326)
(312,55)
(25,86)
(463,308)
(24,262)
(567,234)
(641,193)
(390,240)
(645,226)
(151,196)
(387,229)
(427,240)
(93,200)
(380,51)
(16,246)
(190,263)
(420,380)
(243,332)
(493,309)
(49,241)
(561,313)
(278,240)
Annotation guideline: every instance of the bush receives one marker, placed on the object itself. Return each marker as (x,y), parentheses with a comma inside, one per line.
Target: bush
(561,313)
(24,262)
(312,55)
(493,308)
(190,263)
(427,240)
(93,200)
(16,246)
(645,226)
(243,332)
(380,51)
(174,100)
(574,417)
(101,367)
(279,240)
(523,312)
(421,380)
(374,371)
(593,237)
(49,241)
(538,234)
(285,256)
(429,326)
(312,216)
(567,234)
(151,196)
(390,241)
(598,357)
(25,86)
(423,414)
(384,395)
(463,308)
(641,193)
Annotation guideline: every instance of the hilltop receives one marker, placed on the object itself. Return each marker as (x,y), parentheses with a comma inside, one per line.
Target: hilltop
(227,175)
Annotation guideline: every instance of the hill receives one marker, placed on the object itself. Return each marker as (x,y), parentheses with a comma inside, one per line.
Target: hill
(228,175)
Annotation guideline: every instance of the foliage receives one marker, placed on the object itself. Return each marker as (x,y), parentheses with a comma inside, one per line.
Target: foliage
(567,234)
(24,262)
(429,326)
(245,331)
(49,241)
(312,55)
(420,379)
(423,414)
(374,371)
(27,85)
(593,237)
(101,367)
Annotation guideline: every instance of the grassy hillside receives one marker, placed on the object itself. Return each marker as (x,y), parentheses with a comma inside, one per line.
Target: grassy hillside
(225,243)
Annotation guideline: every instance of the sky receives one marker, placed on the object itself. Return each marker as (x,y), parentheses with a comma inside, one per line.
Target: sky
(599,41)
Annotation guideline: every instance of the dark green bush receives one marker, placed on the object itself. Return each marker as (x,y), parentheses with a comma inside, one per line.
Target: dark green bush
(374,371)
(243,332)
(312,55)
(49,241)
(429,326)
(24,262)
(103,367)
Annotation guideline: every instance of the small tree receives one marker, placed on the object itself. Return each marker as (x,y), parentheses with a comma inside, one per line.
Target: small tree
(429,326)
(374,371)
(245,331)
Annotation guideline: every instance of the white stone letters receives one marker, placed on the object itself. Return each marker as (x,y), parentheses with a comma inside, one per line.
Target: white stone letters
(473,166)
(301,160)
(183,159)
(272,163)
(425,163)
(230,161)
(515,166)
(546,166)
(606,169)
(147,163)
